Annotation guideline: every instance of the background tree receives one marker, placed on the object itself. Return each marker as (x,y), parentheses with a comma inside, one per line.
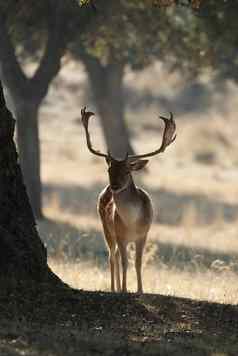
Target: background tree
(41,32)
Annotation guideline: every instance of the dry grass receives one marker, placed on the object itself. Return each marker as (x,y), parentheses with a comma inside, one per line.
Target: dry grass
(193,246)
(201,285)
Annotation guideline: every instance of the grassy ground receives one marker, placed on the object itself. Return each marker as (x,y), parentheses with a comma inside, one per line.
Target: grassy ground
(192,249)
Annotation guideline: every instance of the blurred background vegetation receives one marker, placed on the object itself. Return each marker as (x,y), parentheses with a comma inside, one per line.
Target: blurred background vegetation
(129,61)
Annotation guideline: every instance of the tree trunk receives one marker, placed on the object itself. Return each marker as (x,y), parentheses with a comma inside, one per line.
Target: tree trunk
(22,254)
(107,87)
(29,152)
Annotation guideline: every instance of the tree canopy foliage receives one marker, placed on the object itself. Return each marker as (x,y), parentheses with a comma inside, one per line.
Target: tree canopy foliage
(218,22)
(132,32)
(189,38)
(135,32)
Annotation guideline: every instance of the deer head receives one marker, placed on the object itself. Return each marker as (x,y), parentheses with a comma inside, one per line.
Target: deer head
(120,170)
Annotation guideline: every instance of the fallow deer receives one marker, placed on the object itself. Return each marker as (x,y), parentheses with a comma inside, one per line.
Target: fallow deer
(125,210)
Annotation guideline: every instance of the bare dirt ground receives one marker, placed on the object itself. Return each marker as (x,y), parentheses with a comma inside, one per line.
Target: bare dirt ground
(191,258)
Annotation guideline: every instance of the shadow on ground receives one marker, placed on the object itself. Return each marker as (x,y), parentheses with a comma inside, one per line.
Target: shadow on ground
(206,210)
(74,198)
(172,207)
(69,322)
(197,97)
(194,98)
(195,259)
(65,241)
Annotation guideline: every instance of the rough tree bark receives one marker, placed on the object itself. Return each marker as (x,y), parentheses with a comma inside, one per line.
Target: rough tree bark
(106,82)
(27,95)
(22,254)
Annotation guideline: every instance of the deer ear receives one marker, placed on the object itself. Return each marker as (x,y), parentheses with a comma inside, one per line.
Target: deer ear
(137,165)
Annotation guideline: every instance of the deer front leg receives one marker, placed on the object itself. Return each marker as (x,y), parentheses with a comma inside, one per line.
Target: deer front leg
(140,244)
(117,262)
(123,251)
(112,262)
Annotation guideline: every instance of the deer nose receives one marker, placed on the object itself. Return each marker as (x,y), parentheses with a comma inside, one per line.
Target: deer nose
(114,186)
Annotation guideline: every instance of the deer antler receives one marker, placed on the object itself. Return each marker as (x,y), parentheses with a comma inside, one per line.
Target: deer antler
(85,116)
(168,138)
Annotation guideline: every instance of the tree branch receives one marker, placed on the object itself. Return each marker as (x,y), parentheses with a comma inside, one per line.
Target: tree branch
(55,47)
(10,69)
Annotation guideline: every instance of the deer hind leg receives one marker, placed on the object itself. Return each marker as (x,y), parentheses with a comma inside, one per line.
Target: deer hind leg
(140,244)
(122,245)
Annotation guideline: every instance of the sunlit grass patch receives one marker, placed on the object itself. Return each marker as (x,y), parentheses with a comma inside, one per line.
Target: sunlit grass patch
(207,285)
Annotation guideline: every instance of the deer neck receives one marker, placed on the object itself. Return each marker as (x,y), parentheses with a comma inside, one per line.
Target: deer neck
(127,201)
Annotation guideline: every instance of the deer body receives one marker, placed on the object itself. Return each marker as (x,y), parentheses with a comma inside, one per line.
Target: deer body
(134,217)
(125,210)
(126,217)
